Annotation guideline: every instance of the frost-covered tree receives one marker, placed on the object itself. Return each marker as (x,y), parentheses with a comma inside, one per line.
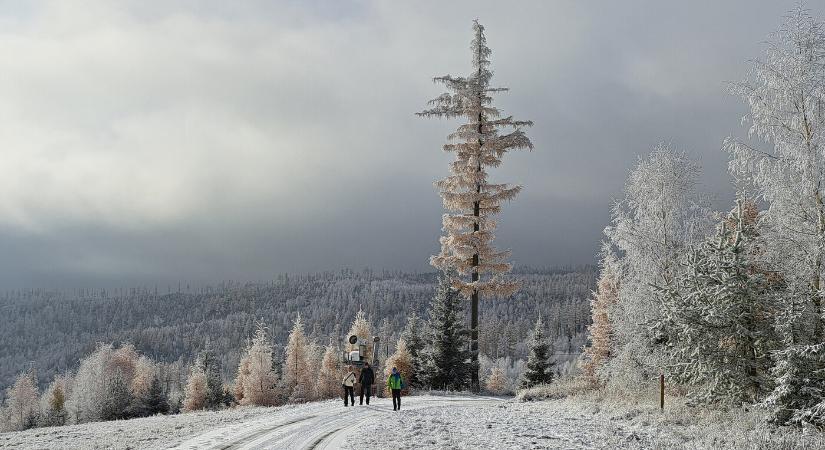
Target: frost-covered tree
(296,378)
(786,95)
(539,369)
(196,393)
(496,382)
(22,403)
(89,388)
(414,339)
(256,382)
(600,331)
(361,327)
(720,315)
(118,397)
(210,365)
(154,400)
(145,371)
(445,359)
(329,375)
(478,144)
(315,353)
(662,213)
(401,360)
(240,379)
(53,402)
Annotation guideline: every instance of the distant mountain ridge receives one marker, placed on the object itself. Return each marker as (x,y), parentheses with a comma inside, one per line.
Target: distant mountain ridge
(52,330)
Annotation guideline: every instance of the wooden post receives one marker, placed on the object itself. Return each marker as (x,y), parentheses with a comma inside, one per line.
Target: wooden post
(662,392)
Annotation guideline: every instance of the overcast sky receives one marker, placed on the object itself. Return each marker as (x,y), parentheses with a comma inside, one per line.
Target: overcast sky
(150,142)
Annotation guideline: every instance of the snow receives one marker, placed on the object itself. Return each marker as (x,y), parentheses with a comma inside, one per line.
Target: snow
(426,421)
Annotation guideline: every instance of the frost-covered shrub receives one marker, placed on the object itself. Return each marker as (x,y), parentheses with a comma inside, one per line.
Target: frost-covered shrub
(560,389)
(512,372)
(496,382)
(195,394)
(53,401)
(22,409)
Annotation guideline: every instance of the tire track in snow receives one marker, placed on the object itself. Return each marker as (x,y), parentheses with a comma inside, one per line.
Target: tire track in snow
(254,435)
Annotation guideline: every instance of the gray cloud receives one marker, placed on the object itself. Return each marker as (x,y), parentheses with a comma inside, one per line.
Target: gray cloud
(145,142)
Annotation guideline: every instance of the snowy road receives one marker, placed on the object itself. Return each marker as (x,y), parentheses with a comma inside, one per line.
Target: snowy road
(327,426)
(426,422)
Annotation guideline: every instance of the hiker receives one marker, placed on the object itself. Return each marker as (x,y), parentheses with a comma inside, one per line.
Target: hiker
(395,384)
(366,379)
(347,383)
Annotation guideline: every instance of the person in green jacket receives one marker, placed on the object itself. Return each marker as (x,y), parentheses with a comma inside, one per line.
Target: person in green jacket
(395,384)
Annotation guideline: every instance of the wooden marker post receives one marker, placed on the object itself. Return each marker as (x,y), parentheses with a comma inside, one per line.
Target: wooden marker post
(662,392)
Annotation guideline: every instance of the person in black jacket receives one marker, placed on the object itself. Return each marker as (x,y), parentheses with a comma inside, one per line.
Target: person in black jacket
(366,379)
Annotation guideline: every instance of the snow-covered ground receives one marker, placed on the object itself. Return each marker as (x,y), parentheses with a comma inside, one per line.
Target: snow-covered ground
(426,421)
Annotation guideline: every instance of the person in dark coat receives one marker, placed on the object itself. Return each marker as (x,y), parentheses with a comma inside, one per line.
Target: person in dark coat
(366,379)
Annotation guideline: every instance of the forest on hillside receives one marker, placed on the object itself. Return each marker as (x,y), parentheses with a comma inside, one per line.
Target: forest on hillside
(51,331)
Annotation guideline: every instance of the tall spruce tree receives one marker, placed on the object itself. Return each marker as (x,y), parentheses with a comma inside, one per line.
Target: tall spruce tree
(412,336)
(210,365)
(479,144)
(118,399)
(539,368)
(446,360)
(719,315)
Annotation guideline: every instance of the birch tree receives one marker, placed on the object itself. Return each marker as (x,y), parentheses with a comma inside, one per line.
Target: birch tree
(471,199)
(22,405)
(662,213)
(786,95)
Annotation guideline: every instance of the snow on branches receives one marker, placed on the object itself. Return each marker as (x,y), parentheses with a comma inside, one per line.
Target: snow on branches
(478,144)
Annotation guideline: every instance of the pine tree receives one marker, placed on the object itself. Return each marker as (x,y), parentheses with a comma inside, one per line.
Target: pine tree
(412,336)
(601,331)
(155,400)
(539,368)
(296,378)
(446,360)
(210,366)
(479,144)
(719,315)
